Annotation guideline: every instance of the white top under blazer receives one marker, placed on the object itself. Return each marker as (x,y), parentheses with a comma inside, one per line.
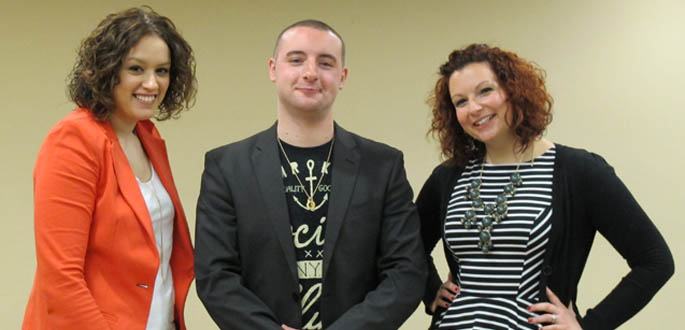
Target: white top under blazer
(161,211)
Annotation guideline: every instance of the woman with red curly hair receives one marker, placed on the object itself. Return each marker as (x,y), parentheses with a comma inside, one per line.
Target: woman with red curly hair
(112,242)
(517,213)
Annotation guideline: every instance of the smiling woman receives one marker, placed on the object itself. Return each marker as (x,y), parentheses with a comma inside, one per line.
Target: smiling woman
(518,213)
(481,105)
(143,82)
(112,243)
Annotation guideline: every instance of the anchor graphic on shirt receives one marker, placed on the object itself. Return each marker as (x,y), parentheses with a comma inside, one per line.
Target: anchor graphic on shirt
(323,201)
(311,179)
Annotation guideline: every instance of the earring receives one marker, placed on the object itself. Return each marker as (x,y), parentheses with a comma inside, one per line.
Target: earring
(470,143)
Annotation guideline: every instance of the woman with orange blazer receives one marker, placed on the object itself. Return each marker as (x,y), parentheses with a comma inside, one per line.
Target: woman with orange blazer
(112,243)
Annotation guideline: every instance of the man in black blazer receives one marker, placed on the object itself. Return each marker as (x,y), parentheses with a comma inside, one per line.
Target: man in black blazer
(306,225)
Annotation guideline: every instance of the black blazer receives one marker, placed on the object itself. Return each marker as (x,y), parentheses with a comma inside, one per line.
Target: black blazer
(373,268)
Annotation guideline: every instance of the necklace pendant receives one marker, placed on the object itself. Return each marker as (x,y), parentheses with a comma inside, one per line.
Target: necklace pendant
(311,205)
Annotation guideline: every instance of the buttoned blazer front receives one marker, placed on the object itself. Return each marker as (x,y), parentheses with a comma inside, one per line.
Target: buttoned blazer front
(373,265)
(97,258)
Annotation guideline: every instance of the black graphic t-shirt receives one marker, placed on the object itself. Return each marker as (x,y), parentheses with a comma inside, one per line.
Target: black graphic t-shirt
(308,220)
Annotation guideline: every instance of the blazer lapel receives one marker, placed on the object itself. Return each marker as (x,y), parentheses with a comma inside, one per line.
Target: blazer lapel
(128,185)
(345,168)
(267,166)
(156,150)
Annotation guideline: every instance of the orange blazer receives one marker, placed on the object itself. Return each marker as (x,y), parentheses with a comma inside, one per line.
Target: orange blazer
(97,259)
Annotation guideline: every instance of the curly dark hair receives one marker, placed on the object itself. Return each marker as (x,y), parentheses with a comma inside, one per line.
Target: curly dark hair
(100,56)
(524,84)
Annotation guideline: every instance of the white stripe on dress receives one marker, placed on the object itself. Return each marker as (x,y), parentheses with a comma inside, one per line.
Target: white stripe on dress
(497,287)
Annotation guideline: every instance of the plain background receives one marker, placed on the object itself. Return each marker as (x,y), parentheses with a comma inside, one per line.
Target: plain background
(615,69)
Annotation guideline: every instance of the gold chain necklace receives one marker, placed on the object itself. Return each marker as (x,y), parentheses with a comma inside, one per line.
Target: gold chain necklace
(311,205)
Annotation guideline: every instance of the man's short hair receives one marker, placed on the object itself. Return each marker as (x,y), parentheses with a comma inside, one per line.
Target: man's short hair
(314,24)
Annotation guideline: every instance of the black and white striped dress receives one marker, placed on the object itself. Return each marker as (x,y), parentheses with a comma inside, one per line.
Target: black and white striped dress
(497,287)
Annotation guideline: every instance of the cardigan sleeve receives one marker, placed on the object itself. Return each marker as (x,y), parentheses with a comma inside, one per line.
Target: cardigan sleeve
(615,213)
(65,188)
(429,207)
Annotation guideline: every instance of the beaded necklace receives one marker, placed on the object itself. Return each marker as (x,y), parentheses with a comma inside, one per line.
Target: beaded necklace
(494,212)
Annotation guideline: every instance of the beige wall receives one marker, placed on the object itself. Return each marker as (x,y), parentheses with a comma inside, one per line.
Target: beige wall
(614,68)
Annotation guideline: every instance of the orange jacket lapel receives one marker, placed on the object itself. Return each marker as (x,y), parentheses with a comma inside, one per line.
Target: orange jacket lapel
(128,185)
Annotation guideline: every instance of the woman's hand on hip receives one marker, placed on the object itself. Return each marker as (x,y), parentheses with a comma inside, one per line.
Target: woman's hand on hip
(446,294)
(556,314)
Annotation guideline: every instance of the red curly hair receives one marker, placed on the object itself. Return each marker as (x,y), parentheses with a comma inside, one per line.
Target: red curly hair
(524,84)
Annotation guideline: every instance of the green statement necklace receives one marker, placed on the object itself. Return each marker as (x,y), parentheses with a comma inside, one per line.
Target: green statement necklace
(494,212)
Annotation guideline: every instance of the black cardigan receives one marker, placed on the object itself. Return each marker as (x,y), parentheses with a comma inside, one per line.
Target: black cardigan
(587,196)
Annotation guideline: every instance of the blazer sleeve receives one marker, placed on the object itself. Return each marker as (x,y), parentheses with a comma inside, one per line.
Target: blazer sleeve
(65,187)
(401,262)
(217,258)
(614,212)
(429,207)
